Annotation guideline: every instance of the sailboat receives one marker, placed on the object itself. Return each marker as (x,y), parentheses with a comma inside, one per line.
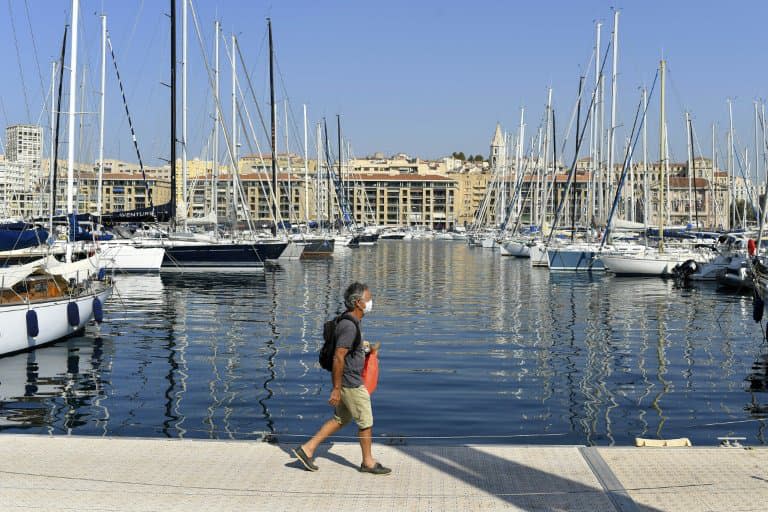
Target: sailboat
(651,261)
(191,252)
(121,254)
(46,300)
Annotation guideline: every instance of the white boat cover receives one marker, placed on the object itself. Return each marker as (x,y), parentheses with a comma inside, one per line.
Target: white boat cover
(17,273)
(79,270)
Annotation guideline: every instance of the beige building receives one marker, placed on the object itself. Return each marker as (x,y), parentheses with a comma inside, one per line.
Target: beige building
(120,192)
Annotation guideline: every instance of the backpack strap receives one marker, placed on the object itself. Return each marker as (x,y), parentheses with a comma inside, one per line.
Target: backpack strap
(358,335)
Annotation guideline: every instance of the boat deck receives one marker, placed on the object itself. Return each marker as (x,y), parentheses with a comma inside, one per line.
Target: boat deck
(96,473)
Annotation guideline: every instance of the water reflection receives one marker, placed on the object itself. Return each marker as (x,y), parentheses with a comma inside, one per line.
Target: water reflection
(758,390)
(52,389)
(473,344)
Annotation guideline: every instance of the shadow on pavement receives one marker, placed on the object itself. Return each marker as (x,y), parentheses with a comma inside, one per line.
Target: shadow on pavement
(524,487)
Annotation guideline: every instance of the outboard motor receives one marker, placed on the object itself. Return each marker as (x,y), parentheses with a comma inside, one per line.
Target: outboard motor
(684,270)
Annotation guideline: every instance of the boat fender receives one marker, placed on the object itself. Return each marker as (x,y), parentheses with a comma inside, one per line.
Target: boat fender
(33,328)
(757,308)
(98,310)
(73,314)
(102,274)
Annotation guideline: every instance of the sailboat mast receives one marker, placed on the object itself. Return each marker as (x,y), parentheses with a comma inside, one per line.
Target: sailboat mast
(235,187)
(272,117)
(329,202)
(71,134)
(318,175)
(612,133)
(306,172)
(646,198)
(173,113)
(55,149)
(72,105)
(51,164)
(576,158)
(215,159)
(101,112)
(519,157)
(547,143)
(712,176)
(693,166)
(690,165)
(288,162)
(341,176)
(731,170)
(757,165)
(185,207)
(596,135)
(662,151)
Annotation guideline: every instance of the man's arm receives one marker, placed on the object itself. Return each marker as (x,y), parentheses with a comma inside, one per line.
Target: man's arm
(337,373)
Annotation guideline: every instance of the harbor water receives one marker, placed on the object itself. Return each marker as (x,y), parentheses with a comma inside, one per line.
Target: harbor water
(476,348)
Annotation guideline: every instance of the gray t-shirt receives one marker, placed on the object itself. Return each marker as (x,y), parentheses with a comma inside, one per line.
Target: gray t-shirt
(346,332)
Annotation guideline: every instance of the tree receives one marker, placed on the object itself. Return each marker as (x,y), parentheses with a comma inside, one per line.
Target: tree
(470,158)
(458,155)
(478,158)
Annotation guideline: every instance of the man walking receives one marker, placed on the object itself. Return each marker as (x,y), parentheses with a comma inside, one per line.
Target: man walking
(349,396)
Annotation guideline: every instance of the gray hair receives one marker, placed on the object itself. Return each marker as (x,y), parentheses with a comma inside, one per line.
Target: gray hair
(354,293)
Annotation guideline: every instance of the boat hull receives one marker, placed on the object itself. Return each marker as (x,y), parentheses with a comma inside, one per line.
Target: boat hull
(574,260)
(185,257)
(364,239)
(627,265)
(52,319)
(318,248)
(516,249)
(538,255)
(129,258)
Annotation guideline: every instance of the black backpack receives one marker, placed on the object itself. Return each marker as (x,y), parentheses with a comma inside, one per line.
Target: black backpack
(329,336)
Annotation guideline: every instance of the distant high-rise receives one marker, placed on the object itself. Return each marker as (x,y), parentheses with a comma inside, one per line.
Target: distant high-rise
(24,145)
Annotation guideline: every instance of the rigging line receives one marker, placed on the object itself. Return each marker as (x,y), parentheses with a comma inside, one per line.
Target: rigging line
(132,33)
(626,167)
(579,140)
(18,60)
(578,98)
(140,72)
(250,88)
(712,181)
(276,214)
(34,48)
(148,190)
(286,97)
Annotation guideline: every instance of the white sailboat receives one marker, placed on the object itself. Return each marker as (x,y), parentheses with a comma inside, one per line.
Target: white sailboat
(46,300)
(123,255)
(650,261)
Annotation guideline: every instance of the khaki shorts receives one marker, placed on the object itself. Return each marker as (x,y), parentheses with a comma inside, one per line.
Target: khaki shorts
(355,404)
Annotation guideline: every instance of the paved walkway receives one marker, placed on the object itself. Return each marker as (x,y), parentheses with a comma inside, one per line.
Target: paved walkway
(92,473)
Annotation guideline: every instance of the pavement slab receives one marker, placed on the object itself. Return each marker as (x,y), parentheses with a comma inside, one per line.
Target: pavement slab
(105,474)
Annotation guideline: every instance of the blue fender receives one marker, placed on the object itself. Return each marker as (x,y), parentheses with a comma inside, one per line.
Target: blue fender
(98,310)
(73,314)
(33,328)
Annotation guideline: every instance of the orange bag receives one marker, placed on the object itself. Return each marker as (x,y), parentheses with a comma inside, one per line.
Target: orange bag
(371,371)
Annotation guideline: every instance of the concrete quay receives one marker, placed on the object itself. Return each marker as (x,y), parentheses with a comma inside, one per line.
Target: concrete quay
(127,474)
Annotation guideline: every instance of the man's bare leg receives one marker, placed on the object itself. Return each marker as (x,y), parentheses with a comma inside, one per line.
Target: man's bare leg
(366,435)
(329,428)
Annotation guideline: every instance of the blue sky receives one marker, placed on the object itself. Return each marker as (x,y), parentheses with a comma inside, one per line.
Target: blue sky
(426,78)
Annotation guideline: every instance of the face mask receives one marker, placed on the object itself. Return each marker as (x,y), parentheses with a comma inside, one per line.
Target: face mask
(368,306)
